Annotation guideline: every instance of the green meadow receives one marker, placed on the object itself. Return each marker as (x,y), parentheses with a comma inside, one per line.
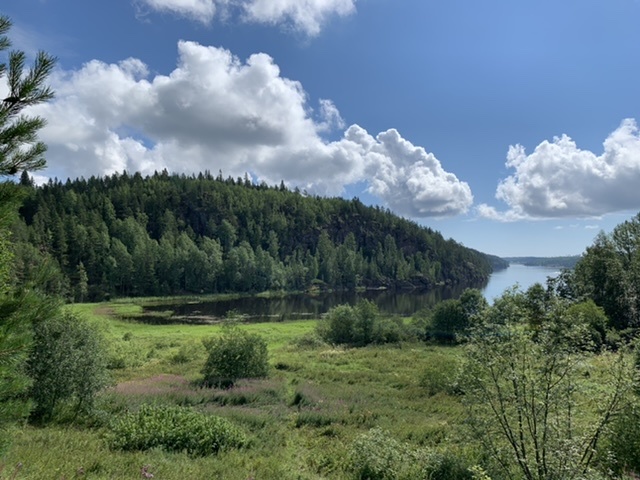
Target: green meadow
(301,421)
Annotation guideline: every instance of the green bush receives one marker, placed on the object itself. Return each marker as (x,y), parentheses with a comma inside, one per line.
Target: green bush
(360,325)
(447,321)
(67,364)
(624,441)
(440,375)
(234,355)
(377,456)
(174,429)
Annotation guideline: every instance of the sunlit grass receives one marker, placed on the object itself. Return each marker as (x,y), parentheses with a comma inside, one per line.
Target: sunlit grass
(301,420)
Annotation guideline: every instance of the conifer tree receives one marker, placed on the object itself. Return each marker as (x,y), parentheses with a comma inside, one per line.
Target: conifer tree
(20,150)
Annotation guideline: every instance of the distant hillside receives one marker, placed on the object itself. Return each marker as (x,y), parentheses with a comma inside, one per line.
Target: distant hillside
(497,263)
(555,262)
(126,235)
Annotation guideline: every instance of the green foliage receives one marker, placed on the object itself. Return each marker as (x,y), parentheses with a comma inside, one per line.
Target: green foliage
(174,429)
(609,274)
(125,235)
(529,391)
(234,355)
(360,325)
(67,365)
(376,455)
(593,318)
(19,150)
(450,318)
(19,146)
(447,321)
(440,375)
(624,441)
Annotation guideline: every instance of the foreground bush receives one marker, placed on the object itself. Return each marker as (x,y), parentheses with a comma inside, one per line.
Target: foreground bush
(174,429)
(234,355)
(67,365)
(377,456)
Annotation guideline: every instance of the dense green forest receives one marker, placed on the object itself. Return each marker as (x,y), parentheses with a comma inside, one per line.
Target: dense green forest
(127,235)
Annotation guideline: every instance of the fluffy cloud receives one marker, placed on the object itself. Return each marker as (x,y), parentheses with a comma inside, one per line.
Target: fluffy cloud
(199,10)
(560,180)
(410,180)
(304,15)
(214,112)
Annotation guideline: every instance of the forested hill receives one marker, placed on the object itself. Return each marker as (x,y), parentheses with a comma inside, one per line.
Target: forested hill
(554,262)
(125,235)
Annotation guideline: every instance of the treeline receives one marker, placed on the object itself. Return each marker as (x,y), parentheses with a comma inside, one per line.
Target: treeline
(128,235)
(553,262)
(609,274)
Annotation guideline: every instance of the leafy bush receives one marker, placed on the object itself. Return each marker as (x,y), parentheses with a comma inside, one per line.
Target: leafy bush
(174,429)
(624,441)
(440,375)
(234,355)
(67,365)
(447,321)
(377,456)
(359,325)
(451,318)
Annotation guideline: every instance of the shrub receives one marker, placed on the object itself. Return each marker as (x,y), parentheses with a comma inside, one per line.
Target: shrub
(377,456)
(337,326)
(447,321)
(174,429)
(440,375)
(624,441)
(359,325)
(234,355)
(67,365)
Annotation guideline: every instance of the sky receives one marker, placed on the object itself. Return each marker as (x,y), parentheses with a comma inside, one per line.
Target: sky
(509,126)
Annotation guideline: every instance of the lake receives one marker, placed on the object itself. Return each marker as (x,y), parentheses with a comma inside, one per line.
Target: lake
(301,306)
(516,274)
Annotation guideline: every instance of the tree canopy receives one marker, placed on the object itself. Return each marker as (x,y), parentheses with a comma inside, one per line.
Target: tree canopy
(128,235)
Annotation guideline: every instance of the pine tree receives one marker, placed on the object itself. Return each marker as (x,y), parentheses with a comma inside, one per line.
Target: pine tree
(20,150)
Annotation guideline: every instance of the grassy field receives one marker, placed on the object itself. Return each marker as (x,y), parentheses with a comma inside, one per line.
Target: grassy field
(302,421)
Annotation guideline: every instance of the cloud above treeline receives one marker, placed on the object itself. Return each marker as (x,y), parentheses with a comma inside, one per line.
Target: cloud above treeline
(307,16)
(560,180)
(214,112)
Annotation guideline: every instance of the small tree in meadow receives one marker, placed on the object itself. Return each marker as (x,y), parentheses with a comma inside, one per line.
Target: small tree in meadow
(234,355)
(67,365)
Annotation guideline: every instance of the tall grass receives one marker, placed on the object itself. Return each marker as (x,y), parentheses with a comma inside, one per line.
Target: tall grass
(302,422)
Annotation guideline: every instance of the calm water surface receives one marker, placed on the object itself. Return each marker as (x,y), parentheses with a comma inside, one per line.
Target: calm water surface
(301,306)
(517,274)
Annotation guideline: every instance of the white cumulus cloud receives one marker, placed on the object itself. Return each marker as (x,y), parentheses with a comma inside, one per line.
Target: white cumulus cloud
(410,180)
(215,112)
(560,180)
(307,16)
(198,10)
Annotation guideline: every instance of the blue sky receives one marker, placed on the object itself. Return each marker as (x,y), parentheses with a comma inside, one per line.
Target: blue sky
(508,126)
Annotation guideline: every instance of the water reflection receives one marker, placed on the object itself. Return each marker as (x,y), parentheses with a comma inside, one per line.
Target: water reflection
(298,306)
(301,306)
